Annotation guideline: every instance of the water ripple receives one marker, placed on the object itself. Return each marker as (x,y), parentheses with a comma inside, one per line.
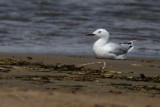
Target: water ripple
(57,26)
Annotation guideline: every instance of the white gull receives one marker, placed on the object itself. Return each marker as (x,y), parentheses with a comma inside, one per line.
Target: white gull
(104,49)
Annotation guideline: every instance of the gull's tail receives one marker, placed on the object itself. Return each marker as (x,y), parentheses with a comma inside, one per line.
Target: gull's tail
(129,44)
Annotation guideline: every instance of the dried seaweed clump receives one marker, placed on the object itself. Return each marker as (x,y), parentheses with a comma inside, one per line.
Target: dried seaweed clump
(142,77)
(14,62)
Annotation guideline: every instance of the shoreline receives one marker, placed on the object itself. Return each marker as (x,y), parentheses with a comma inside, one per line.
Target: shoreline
(78,55)
(41,76)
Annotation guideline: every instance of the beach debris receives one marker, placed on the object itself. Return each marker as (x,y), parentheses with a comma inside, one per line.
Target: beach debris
(155,79)
(41,78)
(99,105)
(51,74)
(29,58)
(13,62)
(152,65)
(80,72)
(121,84)
(3,69)
(92,63)
(111,74)
(115,92)
(145,87)
(124,76)
(136,87)
(59,67)
(87,75)
(142,75)
(118,72)
(137,65)
(148,61)
(141,65)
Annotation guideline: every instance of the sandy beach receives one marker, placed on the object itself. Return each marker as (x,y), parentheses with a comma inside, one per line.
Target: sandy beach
(58,80)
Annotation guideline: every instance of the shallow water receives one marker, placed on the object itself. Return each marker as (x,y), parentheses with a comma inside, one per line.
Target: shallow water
(58,26)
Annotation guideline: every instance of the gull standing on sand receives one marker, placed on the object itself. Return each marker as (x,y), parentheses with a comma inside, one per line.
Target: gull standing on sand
(104,49)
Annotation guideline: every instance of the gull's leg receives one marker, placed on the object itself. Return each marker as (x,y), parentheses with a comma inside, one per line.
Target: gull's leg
(92,63)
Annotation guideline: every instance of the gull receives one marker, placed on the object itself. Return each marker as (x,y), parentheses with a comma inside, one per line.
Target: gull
(102,48)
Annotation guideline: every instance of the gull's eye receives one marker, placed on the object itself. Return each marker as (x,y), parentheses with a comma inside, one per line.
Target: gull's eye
(99,32)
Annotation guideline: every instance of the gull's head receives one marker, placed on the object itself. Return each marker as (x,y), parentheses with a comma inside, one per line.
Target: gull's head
(101,33)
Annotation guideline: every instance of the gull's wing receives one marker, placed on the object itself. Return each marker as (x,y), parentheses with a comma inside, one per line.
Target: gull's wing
(118,49)
(128,44)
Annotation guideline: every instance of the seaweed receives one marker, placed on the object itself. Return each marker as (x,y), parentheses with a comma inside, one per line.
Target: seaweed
(38,78)
(144,87)
(137,87)
(81,73)
(121,84)
(142,77)
(14,62)
(59,67)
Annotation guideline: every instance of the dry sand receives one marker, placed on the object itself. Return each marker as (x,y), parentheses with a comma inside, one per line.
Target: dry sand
(134,82)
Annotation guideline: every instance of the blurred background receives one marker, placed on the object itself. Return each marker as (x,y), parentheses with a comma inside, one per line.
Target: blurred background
(59,26)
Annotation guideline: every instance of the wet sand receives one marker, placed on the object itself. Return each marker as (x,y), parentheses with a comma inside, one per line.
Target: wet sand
(57,80)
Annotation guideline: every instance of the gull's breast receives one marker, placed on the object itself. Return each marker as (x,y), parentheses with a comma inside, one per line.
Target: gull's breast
(100,52)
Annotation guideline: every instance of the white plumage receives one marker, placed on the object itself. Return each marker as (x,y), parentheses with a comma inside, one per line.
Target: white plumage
(104,49)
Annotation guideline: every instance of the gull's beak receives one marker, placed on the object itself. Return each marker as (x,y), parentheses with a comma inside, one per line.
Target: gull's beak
(90,34)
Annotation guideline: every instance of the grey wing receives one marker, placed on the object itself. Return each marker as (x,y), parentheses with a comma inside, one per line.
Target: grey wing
(119,49)
(128,45)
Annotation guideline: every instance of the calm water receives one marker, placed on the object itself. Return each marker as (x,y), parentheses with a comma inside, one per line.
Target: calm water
(59,26)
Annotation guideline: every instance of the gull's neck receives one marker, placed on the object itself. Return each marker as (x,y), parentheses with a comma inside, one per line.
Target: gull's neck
(98,46)
(101,42)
